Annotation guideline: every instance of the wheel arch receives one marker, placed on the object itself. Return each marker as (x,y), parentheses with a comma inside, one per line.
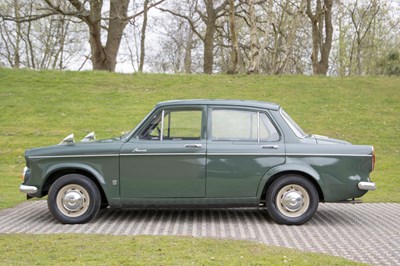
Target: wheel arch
(58,171)
(278,172)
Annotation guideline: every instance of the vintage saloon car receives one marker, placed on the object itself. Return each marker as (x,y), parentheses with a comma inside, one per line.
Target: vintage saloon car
(201,153)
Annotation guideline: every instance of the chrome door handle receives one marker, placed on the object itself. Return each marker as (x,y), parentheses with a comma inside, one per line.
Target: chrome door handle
(270,147)
(193,146)
(139,150)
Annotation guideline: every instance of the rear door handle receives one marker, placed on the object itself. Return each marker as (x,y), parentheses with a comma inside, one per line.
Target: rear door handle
(193,146)
(270,147)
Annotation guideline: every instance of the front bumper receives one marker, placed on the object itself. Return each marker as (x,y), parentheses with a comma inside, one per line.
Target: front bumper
(367,186)
(28,189)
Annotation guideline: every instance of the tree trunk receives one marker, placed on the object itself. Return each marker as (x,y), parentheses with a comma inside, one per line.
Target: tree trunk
(209,50)
(254,66)
(210,20)
(321,45)
(233,66)
(105,57)
(342,49)
(143,35)
(17,59)
(291,37)
(209,38)
(118,21)
(187,61)
(256,48)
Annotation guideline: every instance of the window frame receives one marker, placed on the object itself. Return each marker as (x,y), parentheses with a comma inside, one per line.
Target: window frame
(162,111)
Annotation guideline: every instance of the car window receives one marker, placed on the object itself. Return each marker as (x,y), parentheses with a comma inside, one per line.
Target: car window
(182,125)
(242,125)
(174,125)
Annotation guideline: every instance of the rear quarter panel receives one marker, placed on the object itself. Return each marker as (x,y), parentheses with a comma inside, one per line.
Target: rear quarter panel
(340,167)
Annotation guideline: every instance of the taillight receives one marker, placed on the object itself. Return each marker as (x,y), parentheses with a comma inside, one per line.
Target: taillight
(373,159)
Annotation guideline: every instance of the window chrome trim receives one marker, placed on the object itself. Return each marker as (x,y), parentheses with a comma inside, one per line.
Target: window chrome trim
(258,126)
(162,125)
(292,127)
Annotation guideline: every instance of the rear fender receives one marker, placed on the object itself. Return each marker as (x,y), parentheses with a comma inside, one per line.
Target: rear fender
(275,172)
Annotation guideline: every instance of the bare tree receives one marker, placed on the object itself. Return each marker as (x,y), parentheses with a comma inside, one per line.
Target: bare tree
(362,19)
(255,51)
(209,17)
(143,35)
(322,30)
(37,43)
(92,13)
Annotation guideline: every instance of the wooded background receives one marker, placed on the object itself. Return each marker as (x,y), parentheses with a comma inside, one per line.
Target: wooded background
(273,37)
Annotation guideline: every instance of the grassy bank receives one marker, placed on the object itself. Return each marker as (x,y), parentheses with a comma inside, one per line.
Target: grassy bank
(41,108)
(146,250)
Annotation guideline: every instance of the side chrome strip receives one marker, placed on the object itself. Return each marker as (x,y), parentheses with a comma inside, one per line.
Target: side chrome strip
(73,156)
(244,153)
(163,154)
(327,155)
(201,153)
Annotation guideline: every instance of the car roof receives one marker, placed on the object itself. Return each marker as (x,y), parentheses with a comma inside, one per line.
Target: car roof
(219,102)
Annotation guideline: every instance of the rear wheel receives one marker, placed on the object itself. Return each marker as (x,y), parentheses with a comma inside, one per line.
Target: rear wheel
(292,200)
(74,199)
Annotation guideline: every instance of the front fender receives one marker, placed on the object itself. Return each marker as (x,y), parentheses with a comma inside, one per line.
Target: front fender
(78,166)
(288,168)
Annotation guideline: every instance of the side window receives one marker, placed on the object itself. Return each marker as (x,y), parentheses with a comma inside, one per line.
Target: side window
(174,125)
(240,125)
(268,131)
(182,125)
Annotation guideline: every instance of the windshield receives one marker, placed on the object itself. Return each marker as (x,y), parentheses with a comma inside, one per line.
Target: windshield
(293,125)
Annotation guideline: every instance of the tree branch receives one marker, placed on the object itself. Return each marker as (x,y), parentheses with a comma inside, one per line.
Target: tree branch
(141,12)
(27,18)
(191,22)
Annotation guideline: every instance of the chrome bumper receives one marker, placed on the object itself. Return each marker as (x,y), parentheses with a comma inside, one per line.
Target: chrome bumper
(28,189)
(367,186)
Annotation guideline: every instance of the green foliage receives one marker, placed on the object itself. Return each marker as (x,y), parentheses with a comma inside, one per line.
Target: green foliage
(149,250)
(40,108)
(390,65)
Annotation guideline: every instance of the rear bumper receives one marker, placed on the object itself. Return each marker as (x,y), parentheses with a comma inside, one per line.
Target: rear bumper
(367,186)
(28,189)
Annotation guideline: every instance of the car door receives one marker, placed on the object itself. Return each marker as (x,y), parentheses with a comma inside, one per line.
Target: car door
(243,144)
(167,157)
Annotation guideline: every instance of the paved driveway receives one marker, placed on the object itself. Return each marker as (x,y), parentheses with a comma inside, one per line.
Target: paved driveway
(363,232)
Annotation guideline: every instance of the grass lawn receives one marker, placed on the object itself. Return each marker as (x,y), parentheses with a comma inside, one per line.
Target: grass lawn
(146,250)
(39,108)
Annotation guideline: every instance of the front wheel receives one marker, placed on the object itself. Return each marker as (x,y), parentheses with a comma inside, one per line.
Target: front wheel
(74,199)
(292,200)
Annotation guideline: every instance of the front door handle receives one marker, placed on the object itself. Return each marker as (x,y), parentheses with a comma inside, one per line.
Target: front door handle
(193,146)
(270,147)
(139,150)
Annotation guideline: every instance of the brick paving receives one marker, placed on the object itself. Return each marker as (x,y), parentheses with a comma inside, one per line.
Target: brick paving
(367,233)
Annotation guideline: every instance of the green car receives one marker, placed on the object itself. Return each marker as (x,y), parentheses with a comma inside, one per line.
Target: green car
(201,153)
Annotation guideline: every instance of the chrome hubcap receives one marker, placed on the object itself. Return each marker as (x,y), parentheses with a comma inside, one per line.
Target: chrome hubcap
(292,200)
(73,200)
